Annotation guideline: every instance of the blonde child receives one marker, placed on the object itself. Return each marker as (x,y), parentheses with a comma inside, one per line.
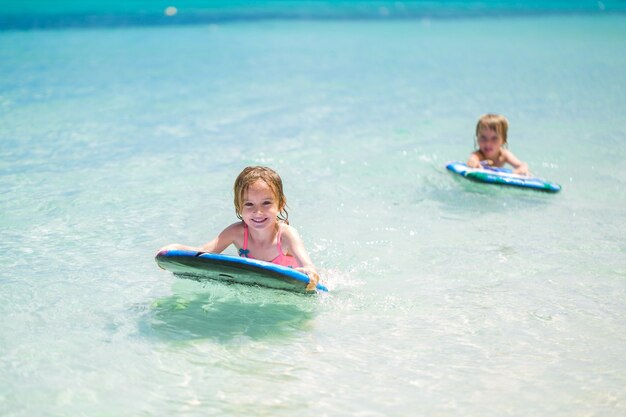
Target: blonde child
(491,132)
(264,232)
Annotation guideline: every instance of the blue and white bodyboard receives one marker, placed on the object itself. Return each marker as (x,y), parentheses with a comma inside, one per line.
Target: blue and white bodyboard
(202,266)
(502,176)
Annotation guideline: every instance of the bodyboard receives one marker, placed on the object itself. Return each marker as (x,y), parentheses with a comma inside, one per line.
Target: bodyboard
(502,176)
(202,266)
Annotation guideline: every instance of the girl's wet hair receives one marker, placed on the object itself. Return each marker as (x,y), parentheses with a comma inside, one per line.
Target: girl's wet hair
(249,176)
(495,122)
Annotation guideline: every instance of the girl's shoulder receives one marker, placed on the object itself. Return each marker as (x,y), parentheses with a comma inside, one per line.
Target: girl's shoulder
(289,237)
(504,152)
(234,228)
(233,234)
(285,228)
(506,155)
(287,231)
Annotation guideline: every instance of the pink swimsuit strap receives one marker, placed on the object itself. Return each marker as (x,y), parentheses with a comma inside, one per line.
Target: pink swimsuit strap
(281,259)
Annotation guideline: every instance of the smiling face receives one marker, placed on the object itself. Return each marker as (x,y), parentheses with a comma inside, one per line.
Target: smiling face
(260,207)
(489,143)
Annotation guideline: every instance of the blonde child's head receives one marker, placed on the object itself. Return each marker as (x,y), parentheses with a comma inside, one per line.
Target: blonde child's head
(495,122)
(251,175)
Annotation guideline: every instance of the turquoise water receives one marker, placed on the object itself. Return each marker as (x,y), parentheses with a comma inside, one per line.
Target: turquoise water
(32,14)
(447,297)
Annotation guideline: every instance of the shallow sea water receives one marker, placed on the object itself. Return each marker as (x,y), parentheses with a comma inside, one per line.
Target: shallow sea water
(447,297)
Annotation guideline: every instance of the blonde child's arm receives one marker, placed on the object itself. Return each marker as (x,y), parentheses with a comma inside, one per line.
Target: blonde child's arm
(474,161)
(293,243)
(520,167)
(223,240)
(217,245)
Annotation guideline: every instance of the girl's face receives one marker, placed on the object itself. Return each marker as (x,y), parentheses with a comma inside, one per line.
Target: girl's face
(489,143)
(260,207)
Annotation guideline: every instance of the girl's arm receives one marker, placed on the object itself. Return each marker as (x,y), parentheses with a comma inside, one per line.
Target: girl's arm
(292,242)
(217,245)
(474,161)
(520,167)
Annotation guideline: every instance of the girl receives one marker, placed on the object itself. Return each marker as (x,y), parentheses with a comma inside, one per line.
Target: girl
(264,232)
(491,131)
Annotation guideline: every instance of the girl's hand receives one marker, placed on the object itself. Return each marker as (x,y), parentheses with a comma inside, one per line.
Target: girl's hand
(314,277)
(172,246)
